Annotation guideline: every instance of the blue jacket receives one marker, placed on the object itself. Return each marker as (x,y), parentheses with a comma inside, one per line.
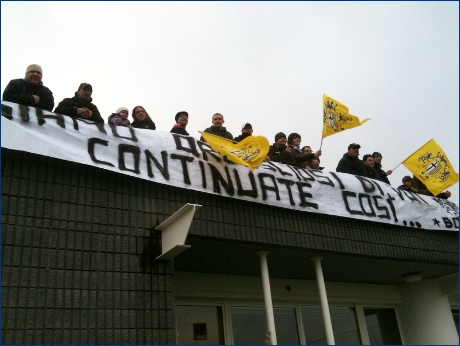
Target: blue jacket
(20,91)
(351,165)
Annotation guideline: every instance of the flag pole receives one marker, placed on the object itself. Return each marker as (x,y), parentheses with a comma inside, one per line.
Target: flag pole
(397,166)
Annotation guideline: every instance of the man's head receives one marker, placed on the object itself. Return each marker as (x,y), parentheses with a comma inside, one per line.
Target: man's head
(368,160)
(34,74)
(85,91)
(377,157)
(306,150)
(407,180)
(280,138)
(182,118)
(246,128)
(218,120)
(353,149)
(294,139)
(123,111)
(315,162)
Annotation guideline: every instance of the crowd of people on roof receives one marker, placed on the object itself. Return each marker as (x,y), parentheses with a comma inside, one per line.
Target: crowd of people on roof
(30,91)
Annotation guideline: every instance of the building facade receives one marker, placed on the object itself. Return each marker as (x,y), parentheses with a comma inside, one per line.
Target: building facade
(82,263)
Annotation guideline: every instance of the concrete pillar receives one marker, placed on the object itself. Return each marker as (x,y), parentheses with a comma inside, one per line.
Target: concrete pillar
(424,316)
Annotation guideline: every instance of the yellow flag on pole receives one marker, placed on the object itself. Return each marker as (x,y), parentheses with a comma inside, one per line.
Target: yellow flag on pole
(430,164)
(250,152)
(336,117)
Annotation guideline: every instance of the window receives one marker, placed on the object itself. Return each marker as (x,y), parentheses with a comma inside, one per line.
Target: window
(382,326)
(249,325)
(343,324)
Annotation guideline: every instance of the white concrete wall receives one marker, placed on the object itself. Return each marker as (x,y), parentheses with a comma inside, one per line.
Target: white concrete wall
(425,315)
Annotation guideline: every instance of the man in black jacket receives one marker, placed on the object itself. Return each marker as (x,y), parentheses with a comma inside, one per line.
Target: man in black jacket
(246,131)
(80,105)
(30,91)
(217,129)
(378,167)
(350,162)
(369,163)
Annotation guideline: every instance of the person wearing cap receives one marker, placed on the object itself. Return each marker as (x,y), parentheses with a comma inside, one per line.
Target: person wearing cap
(181,123)
(30,91)
(297,158)
(80,106)
(423,190)
(217,129)
(368,162)
(378,167)
(246,131)
(350,162)
(275,150)
(120,117)
(407,184)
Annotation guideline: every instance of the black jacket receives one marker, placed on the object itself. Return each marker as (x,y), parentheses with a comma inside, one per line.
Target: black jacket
(382,174)
(144,124)
(20,91)
(241,137)
(221,132)
(351,165)
(179,129)
(371,173)
(69,107)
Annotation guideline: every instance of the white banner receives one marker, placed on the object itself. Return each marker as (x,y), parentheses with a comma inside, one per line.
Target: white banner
(188,163)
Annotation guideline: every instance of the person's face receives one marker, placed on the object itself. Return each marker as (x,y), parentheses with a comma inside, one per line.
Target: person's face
(306,150)
(124,114)
(408,183)
(84,94)
(369,162)
(378,159)
(246,130)
(296,141)
(33,77)
(217,120)
(140,114)
(281,140)
(315,162)
(182,120)
(353,152)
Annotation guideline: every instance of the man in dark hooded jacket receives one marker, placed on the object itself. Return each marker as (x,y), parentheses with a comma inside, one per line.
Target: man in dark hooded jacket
(30,91)
(378,167)
(350,162)
(80,105)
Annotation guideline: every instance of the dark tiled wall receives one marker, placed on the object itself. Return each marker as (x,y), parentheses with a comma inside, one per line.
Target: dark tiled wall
(78,257)
(79,249)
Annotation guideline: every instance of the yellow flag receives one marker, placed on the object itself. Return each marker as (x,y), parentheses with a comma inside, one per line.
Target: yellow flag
(432,167)
(336,117)
(250,152)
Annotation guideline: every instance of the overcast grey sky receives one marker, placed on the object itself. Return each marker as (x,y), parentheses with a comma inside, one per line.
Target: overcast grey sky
(267,63)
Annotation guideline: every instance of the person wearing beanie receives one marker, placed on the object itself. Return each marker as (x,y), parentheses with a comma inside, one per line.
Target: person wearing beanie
(120,117)
(217,129)
(274,153)
(30,91)
(297,157)
(181,122)
(80,106)
(246,131)
(378,167)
